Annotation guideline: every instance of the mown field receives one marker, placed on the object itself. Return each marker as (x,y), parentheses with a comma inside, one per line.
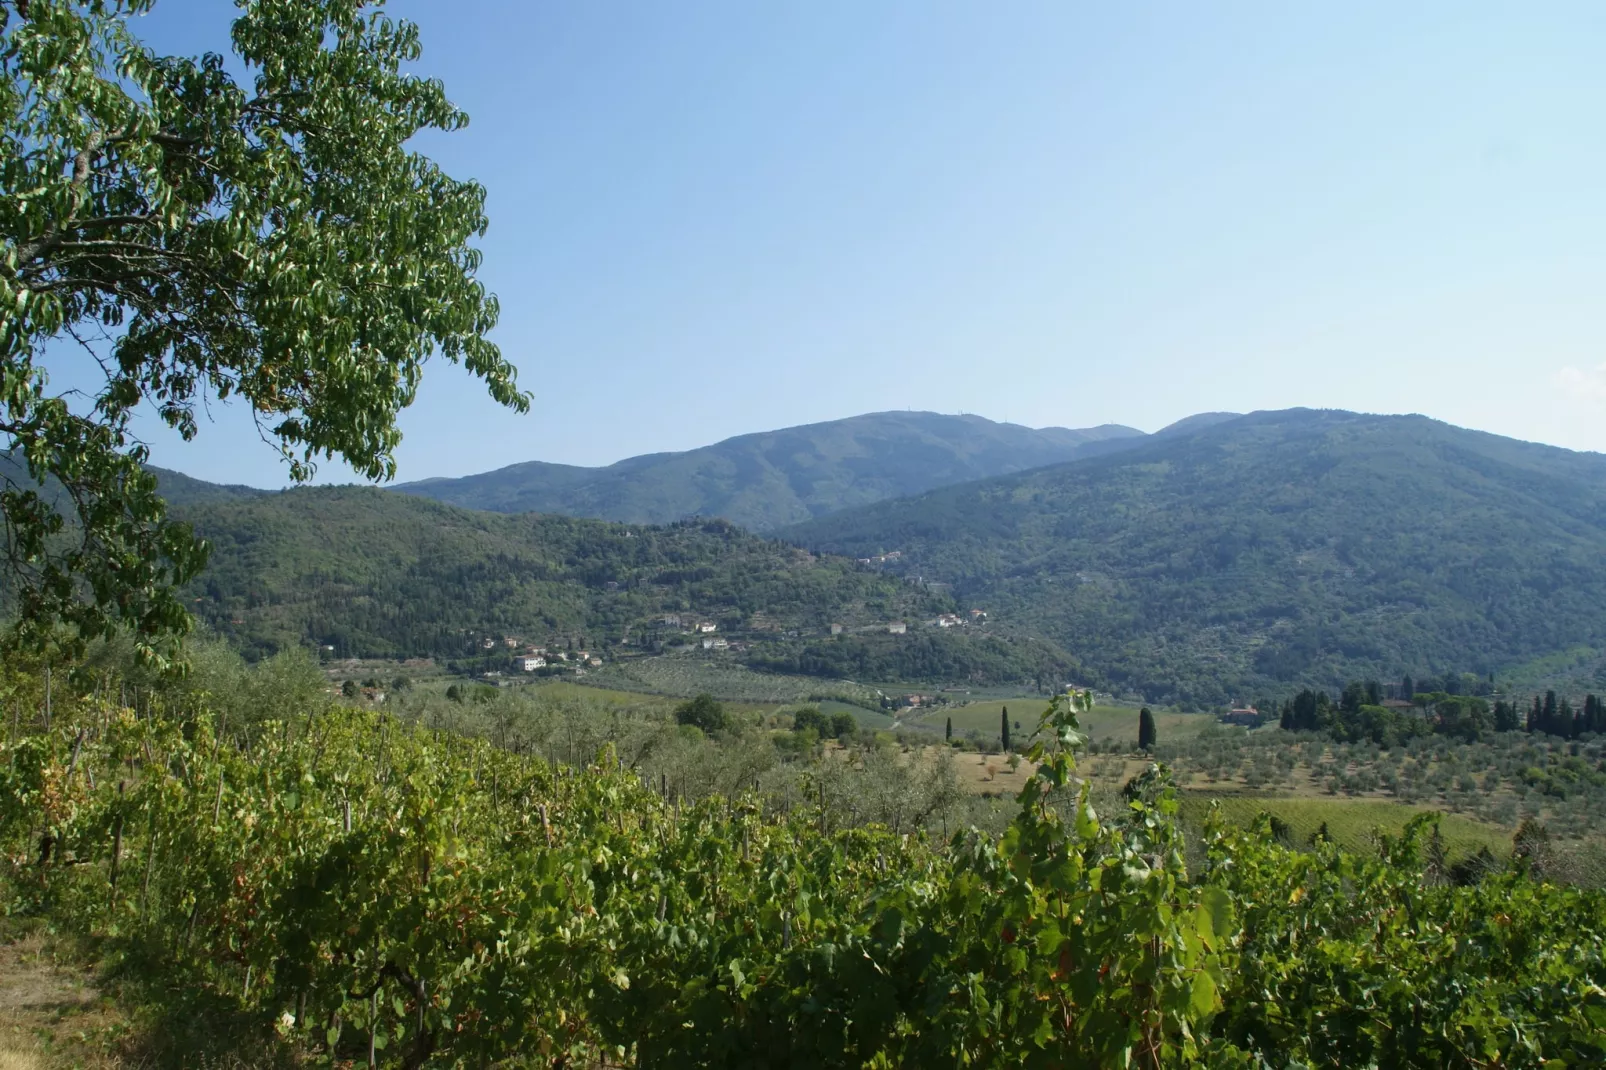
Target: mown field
(682,676)
(1114,723)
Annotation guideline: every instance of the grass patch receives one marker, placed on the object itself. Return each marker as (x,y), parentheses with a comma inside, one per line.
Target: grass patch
(1115,722)
(1350,822)
(866,718)
(685,675)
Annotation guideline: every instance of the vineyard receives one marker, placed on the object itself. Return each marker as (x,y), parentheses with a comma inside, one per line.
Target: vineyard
(356,890)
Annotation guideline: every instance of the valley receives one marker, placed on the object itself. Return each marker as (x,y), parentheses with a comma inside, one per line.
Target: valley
(1211,564)
(607,637)
(696,691)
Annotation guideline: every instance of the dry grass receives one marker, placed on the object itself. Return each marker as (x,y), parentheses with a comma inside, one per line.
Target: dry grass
(51,1012)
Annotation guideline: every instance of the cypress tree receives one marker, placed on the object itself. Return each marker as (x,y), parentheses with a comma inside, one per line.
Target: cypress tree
(1547,719)
(948,733)
(1006,728)
(1146,733)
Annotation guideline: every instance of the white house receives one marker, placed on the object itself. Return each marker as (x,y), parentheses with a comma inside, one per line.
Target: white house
(897,627)
(530,663)
(707,626)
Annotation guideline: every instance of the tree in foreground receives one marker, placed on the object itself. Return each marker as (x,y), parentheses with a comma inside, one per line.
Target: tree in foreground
(178,236)
(1146,733)
(1004,734)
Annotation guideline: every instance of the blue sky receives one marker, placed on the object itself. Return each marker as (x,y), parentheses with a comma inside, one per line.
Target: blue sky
(714,218)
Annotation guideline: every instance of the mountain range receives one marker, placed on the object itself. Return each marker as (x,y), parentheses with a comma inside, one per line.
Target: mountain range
(1225,558)
(766,480)
(1278,548)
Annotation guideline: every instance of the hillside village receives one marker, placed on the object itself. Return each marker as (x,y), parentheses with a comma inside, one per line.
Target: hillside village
(555,656)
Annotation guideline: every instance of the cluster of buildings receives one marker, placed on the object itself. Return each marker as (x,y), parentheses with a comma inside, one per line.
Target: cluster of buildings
(689,625)
(533,658)
(945,620)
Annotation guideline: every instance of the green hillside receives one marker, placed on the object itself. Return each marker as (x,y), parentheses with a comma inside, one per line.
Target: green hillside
(179,489)
(1275,549)
(765,480)
(374,574)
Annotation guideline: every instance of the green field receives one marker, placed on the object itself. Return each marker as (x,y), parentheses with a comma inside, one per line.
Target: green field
(866,718)
(1350,822)
(1114,722)
(682,676)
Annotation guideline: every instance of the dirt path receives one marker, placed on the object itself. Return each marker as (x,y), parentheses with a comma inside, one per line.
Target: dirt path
(51,1014)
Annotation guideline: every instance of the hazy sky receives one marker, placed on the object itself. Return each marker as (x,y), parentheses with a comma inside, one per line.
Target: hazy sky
(708,219)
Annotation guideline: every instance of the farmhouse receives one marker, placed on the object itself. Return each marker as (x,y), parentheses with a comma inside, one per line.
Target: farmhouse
(897,627)
(529,663)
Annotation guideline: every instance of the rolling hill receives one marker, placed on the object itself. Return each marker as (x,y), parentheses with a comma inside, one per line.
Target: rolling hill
(762,481)
(1224,560)
(374,574)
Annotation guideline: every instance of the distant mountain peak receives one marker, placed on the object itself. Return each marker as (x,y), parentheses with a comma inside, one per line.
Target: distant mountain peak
(765,479)
(1272,550)
(1198,422)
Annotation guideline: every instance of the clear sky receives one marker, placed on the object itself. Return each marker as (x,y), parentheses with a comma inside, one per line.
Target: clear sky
(714,218)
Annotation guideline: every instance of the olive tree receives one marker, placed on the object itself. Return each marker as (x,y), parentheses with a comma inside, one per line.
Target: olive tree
(188,236)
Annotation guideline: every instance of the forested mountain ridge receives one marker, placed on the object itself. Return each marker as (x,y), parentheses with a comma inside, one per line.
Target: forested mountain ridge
(179,489)
(1298,546)
(374,574)
(764,480)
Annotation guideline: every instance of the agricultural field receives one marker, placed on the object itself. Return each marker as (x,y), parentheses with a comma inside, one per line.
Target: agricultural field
(1485,790)
(1116,724)
(682,676)
(872,719)
(1351,823)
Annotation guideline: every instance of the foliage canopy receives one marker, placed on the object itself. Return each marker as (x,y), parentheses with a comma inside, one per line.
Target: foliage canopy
(184,235)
